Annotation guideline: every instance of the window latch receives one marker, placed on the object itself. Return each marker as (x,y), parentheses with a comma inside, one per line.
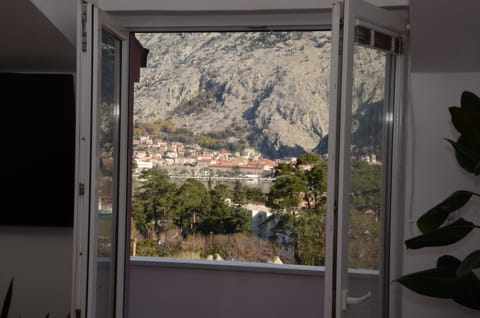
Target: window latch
(346,300)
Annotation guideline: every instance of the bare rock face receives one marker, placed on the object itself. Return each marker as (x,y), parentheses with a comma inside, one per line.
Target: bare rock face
(271,88)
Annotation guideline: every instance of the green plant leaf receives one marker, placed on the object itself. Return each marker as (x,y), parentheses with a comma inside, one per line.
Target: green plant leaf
(467,154)
(452,278)
(442,282)
(448,261)
(470,102)
(434,218)
(470,262)
(443,236)
(466,123)
(7,301)
(468,291)
(439,282)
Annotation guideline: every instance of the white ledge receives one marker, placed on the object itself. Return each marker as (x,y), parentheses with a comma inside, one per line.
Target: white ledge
(232,266)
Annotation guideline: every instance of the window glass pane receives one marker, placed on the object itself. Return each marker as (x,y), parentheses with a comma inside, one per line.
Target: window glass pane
(366,202)
(367,151)
(230,146)
(107,176)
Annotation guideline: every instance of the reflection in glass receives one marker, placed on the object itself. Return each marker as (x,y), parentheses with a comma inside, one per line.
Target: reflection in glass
(368,116)
(107,160)
(367,161)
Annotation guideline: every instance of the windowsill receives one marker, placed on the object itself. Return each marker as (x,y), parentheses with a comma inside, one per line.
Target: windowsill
(232,266)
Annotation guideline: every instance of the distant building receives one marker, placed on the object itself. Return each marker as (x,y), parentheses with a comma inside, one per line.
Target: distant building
(140,154)
(171,154)
(141,165)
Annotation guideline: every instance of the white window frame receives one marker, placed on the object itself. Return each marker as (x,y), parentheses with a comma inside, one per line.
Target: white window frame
(319,19)
(173,22)
(84,249)
(393,181)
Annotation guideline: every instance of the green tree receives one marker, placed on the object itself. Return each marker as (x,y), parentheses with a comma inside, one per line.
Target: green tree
(283,169)
(308,158)
(297,198)
(152,202)
(139,219)
(285,199)
(315,171)
(317,184)
(239,193)
(286,192)
(191,201)
(255,195)
(311,242)
(366,186)
(213,219)
(222,217)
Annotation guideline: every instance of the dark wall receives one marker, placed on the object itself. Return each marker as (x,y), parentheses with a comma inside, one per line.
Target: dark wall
(37,162)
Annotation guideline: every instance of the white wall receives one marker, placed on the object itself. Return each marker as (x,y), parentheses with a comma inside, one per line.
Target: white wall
(63,14)
(432,175)
(445,35)
(31,42)
(445,62)
(40,261)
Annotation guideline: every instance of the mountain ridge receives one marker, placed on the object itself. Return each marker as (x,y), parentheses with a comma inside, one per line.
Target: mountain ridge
(270,88)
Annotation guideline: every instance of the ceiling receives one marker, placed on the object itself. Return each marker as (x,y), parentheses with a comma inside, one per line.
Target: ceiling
(30,42)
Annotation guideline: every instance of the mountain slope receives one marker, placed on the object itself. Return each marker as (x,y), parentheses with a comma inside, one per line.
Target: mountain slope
(270,89)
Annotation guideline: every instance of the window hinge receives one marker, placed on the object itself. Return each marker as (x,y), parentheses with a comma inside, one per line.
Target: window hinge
(84,26)
(81,189)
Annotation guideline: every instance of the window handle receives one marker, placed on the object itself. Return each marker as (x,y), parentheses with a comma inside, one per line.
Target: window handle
(346,300)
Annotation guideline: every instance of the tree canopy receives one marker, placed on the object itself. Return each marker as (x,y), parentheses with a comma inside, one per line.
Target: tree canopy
(297,198)
(186,212)
(160,205)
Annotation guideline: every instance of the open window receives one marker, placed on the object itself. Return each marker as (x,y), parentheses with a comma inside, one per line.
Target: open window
(230,146)
(101,171)
(361,29)
(221,150)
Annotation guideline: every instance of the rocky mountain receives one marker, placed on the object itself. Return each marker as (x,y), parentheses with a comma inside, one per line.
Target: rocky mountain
(267,89)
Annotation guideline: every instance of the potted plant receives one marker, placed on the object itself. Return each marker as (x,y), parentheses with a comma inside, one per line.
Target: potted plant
(452,278)
(7,301)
